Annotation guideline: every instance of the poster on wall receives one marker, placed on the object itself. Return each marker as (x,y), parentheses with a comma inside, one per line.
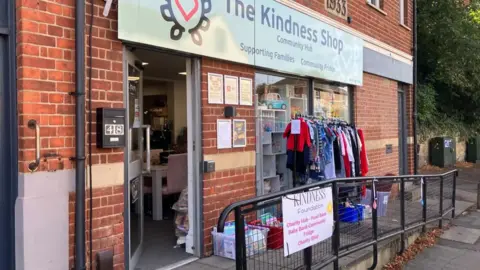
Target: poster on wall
(231,90)
(246,90)
(239,133)
(307,219)
(215,88)
(224,133)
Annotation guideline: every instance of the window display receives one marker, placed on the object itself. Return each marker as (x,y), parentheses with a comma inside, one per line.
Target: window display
(331,101)
(279,99)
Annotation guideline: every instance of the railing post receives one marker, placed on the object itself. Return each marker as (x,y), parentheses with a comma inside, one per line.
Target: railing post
(402,214)
(374,226)
(440,222)
(240,256)
(454,193)
(424,204)
(307,258)
(336,231)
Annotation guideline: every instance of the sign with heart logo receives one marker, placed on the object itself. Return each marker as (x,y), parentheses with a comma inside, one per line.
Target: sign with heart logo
(267,34)
(187,15)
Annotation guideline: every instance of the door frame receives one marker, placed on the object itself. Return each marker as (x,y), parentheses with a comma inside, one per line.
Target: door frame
(195,160)
(8,118)
(128,174)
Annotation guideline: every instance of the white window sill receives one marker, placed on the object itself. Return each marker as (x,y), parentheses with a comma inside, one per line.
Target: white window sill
(376,8)
(406,27)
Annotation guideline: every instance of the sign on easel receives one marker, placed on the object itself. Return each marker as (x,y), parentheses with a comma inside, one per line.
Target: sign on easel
(307,219)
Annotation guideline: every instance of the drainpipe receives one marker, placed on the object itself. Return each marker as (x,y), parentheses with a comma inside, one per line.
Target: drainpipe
(80,135)
(415,83)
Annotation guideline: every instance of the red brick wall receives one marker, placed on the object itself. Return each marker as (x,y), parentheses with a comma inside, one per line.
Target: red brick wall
(376,112)
(46,76)
(368,20)
(107,224)
(222,188)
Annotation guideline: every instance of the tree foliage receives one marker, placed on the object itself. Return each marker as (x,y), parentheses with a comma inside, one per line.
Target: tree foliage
(448,62)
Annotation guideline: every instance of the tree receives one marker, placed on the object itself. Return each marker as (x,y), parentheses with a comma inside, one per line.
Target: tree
(449,60)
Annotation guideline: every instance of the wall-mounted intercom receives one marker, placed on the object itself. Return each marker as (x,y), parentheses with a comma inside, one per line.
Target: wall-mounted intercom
(110,128)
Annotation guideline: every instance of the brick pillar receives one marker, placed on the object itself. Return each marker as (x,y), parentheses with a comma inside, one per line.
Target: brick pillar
(229,183)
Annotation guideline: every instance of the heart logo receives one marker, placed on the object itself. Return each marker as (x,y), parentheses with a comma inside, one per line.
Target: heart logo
(187,15)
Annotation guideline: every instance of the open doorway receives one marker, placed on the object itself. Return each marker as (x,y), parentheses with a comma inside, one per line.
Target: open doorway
(159,208)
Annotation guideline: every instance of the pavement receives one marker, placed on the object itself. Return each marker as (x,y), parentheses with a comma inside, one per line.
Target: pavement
(459,247)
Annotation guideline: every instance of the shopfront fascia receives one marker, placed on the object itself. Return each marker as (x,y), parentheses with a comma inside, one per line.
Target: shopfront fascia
(272,36)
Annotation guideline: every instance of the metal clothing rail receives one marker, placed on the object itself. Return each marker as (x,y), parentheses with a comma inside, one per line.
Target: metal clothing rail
(420,200)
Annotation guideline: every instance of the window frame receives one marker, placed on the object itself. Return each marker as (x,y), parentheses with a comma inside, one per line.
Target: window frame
(404,12)
(376,3)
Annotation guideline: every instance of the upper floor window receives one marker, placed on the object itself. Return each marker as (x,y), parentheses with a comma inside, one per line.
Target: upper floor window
(376,3)
(404,12)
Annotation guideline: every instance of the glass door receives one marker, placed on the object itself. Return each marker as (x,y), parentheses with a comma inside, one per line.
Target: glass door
(136,167)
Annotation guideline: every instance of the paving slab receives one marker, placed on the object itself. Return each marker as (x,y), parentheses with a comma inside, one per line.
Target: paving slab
(462,234)
(217,262)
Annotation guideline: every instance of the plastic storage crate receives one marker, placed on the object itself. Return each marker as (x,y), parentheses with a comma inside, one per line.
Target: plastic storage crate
(351,214)
(275,235)
(224,244)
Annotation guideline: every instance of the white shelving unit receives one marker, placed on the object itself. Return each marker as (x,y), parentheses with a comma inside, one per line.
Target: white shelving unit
(272,172)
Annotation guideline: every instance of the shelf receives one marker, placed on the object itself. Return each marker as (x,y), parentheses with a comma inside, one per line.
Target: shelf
(273,110)
(269,177)
(275,154)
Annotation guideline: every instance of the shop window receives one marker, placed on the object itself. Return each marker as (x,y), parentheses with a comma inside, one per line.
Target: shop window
(285,94)
(278,100)
(331,101)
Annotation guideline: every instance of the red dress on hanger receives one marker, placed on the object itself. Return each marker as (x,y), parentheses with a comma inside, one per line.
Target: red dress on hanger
(302,138)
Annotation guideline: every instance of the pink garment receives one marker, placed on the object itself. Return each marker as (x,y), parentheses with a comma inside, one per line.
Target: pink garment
(346,160)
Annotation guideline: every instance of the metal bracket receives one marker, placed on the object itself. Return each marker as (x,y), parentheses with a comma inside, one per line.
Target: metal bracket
(76,158)
(75,94)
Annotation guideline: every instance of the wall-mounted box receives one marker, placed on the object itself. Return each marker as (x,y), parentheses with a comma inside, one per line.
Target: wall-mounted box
(111,128)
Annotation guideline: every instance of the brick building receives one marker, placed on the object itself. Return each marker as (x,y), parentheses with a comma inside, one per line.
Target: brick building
(171,65)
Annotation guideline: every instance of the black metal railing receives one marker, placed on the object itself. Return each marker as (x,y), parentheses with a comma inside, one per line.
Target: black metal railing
(391,206)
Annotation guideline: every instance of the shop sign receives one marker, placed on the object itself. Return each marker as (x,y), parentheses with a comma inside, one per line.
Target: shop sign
(262,33)
(307,219)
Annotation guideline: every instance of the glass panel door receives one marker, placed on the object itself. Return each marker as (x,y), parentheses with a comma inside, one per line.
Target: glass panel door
(135,144)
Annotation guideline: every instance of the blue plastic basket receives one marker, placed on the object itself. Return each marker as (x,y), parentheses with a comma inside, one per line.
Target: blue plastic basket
(351,214)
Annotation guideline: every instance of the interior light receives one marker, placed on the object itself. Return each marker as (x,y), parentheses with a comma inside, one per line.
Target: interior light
(133,78)
(183,73)
(144,63)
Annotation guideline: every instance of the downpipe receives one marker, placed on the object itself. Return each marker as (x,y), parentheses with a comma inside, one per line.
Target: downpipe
(415,83)
(80,135)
